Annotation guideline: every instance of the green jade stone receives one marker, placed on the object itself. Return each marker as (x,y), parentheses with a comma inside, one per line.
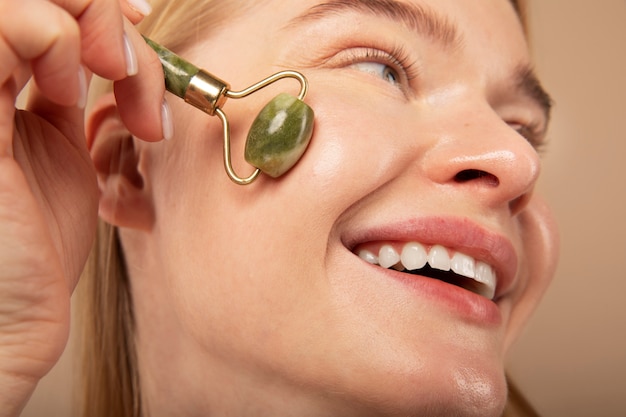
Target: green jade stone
(279,135)
(178,72)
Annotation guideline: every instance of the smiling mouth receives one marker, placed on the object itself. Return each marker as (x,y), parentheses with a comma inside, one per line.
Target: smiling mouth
(435,262)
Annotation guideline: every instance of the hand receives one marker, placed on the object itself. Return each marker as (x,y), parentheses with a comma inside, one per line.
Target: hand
(48,190)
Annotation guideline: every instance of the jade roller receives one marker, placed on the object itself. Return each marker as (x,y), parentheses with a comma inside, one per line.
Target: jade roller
(278,136)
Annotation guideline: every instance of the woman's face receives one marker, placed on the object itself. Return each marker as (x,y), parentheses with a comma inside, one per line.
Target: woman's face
(427,122)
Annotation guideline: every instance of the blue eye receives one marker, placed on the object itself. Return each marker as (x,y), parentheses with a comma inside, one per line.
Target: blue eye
(377,69)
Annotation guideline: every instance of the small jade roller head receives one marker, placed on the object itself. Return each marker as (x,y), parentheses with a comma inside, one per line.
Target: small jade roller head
(278,136)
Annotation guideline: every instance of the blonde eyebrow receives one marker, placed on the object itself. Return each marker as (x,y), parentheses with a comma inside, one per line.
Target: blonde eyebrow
(417,18)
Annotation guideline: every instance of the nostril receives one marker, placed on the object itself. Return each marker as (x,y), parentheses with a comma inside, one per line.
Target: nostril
(476,174)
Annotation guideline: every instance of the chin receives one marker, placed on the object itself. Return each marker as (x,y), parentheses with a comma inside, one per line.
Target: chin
(404,380)
(465,392)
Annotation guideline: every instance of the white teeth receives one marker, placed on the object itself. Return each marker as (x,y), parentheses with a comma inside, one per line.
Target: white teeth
(413,256)
(438,258)
(486,276)
(368,256)
(463,265)
(387,256)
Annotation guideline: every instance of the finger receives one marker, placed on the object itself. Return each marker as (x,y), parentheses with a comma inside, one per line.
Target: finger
(8,57)
(69,120)
(102,35)
(140,98)
(135,10)
(7,111)
(105,44)
(49,38)
(8,93)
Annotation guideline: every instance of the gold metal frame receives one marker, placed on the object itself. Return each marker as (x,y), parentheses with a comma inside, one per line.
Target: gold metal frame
(209,94)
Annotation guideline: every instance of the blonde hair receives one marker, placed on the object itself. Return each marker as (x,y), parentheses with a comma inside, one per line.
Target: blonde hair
(110,379)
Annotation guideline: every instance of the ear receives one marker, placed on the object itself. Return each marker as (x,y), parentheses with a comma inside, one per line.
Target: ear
(124,200)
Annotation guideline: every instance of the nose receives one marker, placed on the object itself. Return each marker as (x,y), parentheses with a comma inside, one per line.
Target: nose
(482,156)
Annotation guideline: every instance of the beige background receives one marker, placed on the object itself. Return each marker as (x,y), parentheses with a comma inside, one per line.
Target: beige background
(571,362)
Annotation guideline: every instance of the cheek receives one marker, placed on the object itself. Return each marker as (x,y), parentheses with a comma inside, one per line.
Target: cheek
(230,251)
(352,151)
(541,251)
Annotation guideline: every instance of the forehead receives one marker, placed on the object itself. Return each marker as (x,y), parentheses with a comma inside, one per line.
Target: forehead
(402,8)
(415,16)
(440,20)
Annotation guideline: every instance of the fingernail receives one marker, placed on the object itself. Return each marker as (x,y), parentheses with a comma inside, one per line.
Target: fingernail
(140,6)
(167,122)
(82,88)
(131,58)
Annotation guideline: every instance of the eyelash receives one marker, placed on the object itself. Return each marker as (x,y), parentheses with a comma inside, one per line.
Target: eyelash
(532,132)
(398,60)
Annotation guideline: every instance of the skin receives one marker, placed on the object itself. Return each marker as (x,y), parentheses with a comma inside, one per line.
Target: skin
(249,300)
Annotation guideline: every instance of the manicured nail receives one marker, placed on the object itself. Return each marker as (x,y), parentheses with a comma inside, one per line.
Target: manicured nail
(82,88)
(140,6)
(132,66)
(167,122)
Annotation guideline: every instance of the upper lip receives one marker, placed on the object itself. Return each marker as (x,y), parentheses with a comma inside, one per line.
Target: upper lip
(459,234)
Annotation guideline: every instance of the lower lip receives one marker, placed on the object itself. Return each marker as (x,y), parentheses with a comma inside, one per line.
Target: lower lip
(456,300)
